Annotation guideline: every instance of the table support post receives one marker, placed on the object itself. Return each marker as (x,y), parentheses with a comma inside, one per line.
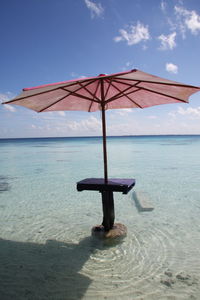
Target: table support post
(108,210)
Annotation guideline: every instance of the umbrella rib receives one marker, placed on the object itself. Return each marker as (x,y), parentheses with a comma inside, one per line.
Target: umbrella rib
(121,80)
(155,92)
(81,87)
(28,96)
(72,93)
(92,102)
(123,94)
(81,96)
(91,94)
(53,89)
(86,98)
(109,84)
(52,104)
(86,81)
(162,94)
(90,106)
(98,84)
(134,102)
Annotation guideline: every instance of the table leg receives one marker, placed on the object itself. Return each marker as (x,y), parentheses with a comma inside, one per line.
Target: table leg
(108,210)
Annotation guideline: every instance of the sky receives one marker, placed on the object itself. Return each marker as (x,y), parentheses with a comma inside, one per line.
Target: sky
(47,41)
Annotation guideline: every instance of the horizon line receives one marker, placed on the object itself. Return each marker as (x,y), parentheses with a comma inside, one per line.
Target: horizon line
(99,136)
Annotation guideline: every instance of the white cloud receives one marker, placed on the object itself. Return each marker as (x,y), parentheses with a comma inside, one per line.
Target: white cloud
(134,34)
(167,41)
(61,113)
(6,97)
(96,9)
(163,5)
(171,68)
(191,112)
(193,22)
(91,124)
(152,117)
(9,107)
(172,114)
(174,21)
(50,115)
(173,26)
(62,127)
(128,66)
(144,47)
(124,111)
(188,19)
(75,75)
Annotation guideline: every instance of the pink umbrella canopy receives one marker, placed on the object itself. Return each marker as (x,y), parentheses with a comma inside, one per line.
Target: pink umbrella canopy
(131,89)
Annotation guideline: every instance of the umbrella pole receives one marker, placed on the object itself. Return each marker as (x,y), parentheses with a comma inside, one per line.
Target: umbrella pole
(107,196)
(104,144)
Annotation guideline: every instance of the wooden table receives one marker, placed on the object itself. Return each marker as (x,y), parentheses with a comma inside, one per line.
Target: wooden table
(106,190)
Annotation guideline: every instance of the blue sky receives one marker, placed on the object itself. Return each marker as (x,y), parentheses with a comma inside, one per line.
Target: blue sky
(45,41)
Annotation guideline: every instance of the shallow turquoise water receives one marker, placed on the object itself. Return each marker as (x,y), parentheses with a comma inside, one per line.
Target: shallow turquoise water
(46,248)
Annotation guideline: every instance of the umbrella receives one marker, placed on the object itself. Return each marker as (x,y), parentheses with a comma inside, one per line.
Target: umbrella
(130,89)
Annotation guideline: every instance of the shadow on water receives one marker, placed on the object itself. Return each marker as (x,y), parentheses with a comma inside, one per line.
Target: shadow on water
(44,271)
(4,185)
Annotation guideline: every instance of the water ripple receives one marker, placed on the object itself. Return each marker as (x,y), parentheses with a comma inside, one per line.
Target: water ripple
(130,266)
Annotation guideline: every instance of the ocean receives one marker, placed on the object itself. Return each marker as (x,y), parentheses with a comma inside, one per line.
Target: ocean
(46,247)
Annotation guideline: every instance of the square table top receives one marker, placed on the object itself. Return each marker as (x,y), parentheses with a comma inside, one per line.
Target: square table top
(113,185)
